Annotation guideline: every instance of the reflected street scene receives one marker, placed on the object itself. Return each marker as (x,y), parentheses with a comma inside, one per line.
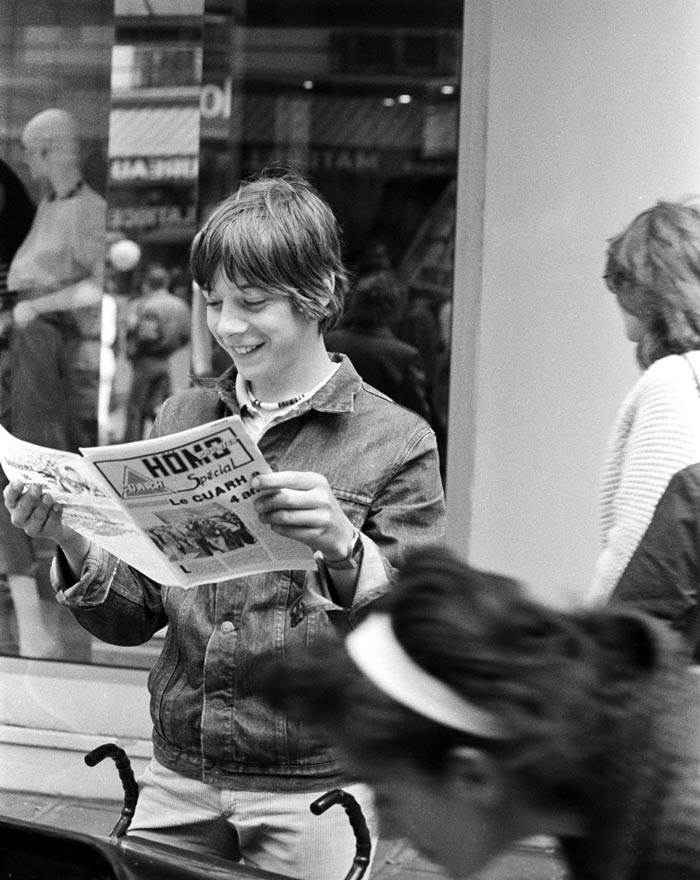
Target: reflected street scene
(124,123)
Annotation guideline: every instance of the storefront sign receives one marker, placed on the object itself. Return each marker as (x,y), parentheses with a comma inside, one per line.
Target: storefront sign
(387,163)
(151,217)
(150,168)
(215,100)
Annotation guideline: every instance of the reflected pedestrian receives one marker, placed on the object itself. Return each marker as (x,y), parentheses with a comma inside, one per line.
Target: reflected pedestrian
(650,494)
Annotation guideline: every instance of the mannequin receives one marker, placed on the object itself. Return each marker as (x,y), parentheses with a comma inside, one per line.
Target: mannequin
(57,277)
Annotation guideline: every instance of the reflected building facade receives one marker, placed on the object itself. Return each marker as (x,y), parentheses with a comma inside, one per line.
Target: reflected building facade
(178,100)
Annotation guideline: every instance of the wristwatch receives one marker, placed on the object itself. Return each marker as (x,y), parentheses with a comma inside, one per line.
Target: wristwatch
(352,558)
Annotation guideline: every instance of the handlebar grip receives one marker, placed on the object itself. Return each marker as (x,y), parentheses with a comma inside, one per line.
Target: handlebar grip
(326,801)
(123,764)
(363,841)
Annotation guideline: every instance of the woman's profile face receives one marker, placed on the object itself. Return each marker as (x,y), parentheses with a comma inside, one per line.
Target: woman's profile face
(444,821)
(618,280)
(634,328)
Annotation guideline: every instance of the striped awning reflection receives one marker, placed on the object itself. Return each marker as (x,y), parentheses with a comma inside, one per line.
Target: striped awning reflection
(154,131)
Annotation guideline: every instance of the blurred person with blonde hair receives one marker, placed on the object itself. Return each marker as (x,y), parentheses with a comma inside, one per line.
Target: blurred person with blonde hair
(650,494)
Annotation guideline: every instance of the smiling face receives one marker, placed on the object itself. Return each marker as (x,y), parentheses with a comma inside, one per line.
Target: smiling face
(273,346)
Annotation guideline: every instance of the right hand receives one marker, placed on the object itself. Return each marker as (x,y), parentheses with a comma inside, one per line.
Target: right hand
(39,516)
(35,512)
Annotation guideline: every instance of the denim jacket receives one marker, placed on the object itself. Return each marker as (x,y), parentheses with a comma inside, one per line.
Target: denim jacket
(209,724)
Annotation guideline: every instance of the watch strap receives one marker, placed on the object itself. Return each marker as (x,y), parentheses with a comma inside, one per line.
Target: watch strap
(353,557)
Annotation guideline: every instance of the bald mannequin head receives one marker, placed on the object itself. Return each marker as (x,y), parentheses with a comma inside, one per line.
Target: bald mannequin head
(51,144)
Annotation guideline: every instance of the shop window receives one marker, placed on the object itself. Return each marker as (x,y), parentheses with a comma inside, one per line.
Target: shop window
(177,102)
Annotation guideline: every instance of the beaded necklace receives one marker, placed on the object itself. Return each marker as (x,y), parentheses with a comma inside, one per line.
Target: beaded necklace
(280,404)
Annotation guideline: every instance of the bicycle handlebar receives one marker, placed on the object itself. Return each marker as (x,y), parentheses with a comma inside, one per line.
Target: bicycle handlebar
(126,775)
(363,842)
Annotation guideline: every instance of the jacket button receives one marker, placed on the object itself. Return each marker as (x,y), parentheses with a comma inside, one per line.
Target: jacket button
(227,627)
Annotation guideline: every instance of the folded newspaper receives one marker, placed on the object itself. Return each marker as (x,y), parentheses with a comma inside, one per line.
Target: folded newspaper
(178,508)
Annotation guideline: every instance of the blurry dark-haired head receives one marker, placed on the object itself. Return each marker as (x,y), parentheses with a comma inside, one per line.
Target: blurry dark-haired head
(375,299)
(482,716)
(156,277)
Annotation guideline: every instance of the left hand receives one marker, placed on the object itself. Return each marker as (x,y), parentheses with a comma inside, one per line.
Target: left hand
(301,505)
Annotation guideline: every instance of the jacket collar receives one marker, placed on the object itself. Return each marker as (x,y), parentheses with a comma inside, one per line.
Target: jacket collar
(337,395)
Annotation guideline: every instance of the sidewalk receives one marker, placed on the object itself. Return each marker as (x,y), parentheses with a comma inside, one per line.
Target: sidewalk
(394,858)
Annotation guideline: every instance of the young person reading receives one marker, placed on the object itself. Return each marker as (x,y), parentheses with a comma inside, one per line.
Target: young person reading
(355,478)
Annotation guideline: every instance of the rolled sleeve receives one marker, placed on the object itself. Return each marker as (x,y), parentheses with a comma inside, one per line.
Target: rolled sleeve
(95,582)
(406,512)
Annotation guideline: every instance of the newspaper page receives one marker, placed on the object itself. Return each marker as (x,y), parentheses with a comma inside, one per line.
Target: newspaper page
(178,508)
(90,505)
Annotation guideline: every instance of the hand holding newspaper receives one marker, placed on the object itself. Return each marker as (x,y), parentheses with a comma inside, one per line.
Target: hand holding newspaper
(177,508)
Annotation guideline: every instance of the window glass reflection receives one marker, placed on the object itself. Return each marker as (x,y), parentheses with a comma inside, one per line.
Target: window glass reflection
(153,166)
(363,98)
(54,60)
(178,100)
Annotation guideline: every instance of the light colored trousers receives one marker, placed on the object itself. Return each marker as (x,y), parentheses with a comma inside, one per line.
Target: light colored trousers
(273,831)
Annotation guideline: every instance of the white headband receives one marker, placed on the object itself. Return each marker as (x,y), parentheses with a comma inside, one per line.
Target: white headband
(374,649)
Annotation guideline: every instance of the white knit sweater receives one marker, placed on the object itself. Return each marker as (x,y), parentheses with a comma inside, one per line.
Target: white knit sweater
(656,434)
